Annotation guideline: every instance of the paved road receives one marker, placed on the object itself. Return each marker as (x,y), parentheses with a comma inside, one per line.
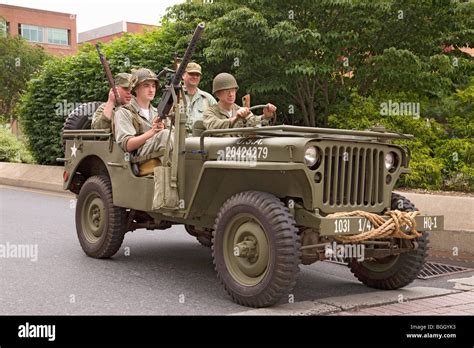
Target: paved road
(167,272)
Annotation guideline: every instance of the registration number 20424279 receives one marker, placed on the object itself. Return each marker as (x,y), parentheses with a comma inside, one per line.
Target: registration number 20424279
(241,153)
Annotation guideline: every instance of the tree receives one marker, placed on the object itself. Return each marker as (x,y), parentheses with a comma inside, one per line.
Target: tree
(313,54)
(18,61)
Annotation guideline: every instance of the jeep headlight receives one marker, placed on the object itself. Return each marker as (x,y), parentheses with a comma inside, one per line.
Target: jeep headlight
(311,156)
(389,160)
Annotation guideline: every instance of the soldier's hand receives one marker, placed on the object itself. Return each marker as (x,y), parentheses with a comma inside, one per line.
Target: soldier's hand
(269,110)
(157,126)
(243,112)
(161,125)
(111,98)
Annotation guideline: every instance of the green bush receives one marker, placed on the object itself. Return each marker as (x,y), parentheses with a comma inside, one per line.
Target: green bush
(12,149)
(442,153)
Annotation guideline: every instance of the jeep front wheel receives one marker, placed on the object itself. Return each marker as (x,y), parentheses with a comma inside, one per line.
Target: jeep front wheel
(396,271)
(99,224)
(256,249)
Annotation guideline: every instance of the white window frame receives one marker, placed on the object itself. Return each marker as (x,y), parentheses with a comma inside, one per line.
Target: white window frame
(30,27)
(51,31)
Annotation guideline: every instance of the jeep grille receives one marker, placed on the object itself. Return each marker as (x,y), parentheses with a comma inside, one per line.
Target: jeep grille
(353,176)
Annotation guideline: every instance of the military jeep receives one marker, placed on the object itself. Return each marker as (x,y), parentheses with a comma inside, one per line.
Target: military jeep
(266,198)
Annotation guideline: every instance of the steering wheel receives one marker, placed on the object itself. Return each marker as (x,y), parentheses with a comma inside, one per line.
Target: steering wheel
(272,120)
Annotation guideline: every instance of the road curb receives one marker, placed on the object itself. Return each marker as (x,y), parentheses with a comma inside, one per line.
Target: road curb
(332,305)
(32,176)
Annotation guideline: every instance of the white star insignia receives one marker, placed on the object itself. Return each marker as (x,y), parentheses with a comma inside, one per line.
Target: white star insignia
(74,150)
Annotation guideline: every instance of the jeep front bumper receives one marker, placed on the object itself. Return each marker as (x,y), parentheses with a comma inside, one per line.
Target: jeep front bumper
(338,226)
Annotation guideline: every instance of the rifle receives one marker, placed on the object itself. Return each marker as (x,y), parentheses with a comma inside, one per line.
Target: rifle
(166,101)
(108,73)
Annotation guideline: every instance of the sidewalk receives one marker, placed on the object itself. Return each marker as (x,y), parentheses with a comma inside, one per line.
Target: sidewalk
(417,300)
(454,304)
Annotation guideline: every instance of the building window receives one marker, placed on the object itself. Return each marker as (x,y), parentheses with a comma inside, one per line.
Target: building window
(32,33)
(58,36)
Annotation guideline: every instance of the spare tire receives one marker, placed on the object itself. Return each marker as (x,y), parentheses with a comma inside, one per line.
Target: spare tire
(80,117)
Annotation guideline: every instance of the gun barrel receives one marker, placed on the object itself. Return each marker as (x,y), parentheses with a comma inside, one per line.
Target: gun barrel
(187,55)
(108,73)
(166,101)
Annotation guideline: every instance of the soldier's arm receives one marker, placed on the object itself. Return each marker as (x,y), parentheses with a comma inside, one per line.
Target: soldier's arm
(213,121)
(126,134)
(110,105)
(98,118)
(124,130)
(108,111)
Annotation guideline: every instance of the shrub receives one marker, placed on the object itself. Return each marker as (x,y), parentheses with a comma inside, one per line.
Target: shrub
(12,149)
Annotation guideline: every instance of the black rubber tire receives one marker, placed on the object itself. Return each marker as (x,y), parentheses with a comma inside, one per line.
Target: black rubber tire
(81,117)
(205,239)
(405,269)
(113,230)
(284,248)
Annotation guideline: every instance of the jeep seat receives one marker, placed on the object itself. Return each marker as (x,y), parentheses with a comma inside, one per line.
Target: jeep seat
(145,165)
(148,167)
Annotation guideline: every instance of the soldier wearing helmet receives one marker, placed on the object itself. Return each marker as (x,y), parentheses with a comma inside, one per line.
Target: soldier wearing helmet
(227,114)
(198,101)
(105,112)
(136,125)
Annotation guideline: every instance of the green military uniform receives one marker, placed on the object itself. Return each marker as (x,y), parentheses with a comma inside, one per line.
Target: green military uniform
(99,120)
(197,105)
(217,118)
(130,121)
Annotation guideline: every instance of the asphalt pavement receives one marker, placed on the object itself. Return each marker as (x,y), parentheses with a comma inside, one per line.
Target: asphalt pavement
(154,273)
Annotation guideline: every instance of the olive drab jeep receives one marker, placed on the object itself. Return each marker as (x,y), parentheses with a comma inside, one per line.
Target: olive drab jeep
(266,199)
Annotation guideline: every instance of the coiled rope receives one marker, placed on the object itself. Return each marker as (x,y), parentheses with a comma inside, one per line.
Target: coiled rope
(390,228)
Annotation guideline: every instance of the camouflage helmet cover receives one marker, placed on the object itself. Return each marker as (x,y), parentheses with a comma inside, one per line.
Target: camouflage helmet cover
(142,75)
(123,80)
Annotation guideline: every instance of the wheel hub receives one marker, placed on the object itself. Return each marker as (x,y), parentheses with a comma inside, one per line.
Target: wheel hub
(93,218)
(247,250)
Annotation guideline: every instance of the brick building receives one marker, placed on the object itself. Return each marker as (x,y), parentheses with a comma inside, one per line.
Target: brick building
(112,31)
(55,31)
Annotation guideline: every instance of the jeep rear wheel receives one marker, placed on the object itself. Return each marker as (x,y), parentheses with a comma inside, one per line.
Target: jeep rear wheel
(99,224)
(256,249)
(396,271)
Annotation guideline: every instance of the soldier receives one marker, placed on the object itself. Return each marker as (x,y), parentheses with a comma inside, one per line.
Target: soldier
(135,125)
(103,115)
(227,114)
(198,101)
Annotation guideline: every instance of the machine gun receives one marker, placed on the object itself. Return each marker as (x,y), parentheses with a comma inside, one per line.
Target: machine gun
(108,73)
(166,101)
